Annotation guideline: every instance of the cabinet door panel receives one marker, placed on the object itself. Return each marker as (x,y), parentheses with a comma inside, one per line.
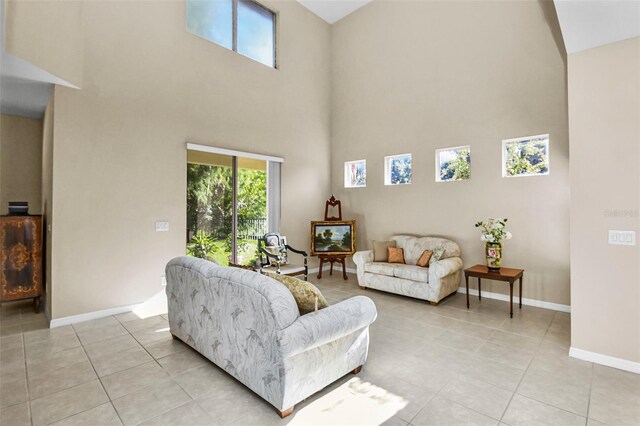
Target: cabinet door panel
(20,257)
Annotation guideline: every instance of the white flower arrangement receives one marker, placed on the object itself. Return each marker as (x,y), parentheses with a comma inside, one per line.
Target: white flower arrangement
(494,230)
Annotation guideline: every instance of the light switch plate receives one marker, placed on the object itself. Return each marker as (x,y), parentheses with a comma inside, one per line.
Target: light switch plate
(162,226)
(623,238)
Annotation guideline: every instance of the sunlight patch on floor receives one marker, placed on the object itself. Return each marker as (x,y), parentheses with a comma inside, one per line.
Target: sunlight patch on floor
(356,402)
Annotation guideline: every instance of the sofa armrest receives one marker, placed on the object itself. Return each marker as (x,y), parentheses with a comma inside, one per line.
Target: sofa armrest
(328,324)
(444,267)
(360,258)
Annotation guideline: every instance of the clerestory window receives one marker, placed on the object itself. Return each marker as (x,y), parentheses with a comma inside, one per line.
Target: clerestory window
(243,26)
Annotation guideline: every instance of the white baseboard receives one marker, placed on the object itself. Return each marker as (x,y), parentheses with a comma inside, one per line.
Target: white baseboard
(609,361)
(73,319)
(525,301)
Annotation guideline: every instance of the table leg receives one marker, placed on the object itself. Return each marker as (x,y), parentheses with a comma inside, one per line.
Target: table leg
(466,280)
(520,292)
(320,268)
(344,269)
(479,288)
(331,267)
(511,298)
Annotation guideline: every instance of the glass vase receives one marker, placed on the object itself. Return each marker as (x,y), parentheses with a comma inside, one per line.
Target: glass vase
(493,252)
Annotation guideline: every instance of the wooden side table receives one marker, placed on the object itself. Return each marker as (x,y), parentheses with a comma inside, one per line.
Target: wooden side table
(509,275)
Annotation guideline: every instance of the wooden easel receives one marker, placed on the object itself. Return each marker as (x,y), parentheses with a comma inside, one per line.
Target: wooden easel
(336,258)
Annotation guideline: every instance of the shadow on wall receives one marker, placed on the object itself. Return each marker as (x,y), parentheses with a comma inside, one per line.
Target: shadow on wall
(551,18)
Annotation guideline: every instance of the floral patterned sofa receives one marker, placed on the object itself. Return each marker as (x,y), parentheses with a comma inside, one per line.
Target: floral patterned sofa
(249,325)
(434,283)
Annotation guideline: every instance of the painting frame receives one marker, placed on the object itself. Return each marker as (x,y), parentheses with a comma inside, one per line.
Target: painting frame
(320,226)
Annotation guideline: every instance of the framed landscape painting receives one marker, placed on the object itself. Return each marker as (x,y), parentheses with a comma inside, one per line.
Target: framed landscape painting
(335,237)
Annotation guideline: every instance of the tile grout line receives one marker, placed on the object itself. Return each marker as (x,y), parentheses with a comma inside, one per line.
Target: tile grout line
(100,378)
(506,408)
(586,421)
(26,372)
(494,331)
(162,368)
(97,376)
(532,398)
(138,342)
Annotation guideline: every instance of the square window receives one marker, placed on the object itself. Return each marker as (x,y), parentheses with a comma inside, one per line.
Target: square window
(355,174)
(397,169)
(528,156)
(453,164)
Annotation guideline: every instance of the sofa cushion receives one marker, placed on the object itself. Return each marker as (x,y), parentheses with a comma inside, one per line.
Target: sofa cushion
(396,255)
(424,259)
(303,292)
(380,250)
(411,272)
(438,252)
(398,270)
(380,268)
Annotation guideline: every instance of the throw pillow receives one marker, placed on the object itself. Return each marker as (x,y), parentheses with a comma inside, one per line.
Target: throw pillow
(380,252)
(305,294)
(437,254)
(396,255)
(276,251)
(424,259)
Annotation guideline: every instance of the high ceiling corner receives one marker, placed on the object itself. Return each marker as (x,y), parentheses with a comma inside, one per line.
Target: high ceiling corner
(333,10)
(25,88)
(591,23)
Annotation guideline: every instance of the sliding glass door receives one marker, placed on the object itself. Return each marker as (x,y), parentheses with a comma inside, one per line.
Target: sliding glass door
(226,206)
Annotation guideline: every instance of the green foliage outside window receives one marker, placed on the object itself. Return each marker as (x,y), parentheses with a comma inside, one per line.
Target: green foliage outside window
(400,170)
(210,211)
(455,164)
(527,157)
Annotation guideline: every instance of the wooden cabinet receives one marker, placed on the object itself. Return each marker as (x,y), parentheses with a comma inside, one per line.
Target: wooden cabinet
(21,257)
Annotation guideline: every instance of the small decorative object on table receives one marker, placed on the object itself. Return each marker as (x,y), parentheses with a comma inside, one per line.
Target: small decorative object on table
(493,232)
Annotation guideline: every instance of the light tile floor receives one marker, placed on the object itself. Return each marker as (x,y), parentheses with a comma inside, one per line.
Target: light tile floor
(427,365)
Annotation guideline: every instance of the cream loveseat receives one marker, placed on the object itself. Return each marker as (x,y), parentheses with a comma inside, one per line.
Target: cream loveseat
(434,283)
(249,325)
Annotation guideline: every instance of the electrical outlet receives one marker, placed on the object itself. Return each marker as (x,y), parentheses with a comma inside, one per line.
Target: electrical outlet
(162,226)
(624,238)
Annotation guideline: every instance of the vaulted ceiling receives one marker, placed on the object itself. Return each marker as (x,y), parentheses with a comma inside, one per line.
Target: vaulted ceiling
(333,10)
(587,24)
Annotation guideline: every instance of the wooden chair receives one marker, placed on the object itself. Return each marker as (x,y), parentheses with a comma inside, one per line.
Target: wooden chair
(274,256)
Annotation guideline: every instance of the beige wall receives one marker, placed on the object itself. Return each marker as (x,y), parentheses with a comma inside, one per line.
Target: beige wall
(47,195)
(604,116)
(119,159)
(20,158)
(47,34)
(416,76)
